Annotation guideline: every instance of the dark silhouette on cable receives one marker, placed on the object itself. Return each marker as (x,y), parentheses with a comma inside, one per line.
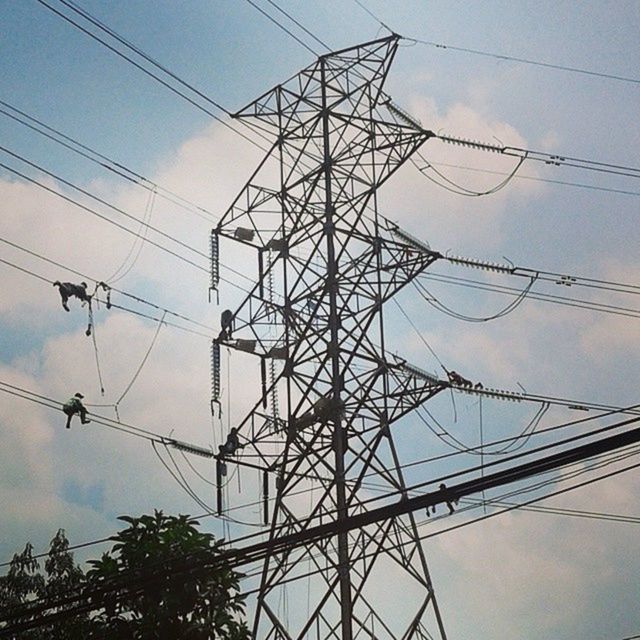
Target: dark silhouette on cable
(227,322)
(74,406)
(68,289)
(448,498)
(459,381)
(231,445)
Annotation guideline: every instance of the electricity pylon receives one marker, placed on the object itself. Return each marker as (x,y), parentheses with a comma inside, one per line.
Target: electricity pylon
(326,264)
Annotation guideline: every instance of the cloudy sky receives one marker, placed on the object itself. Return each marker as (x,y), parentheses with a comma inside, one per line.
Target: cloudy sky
(524,574)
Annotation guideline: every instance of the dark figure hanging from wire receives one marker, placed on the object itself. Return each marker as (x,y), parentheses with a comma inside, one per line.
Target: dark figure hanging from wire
(74,406)
(231,445)
(68,289)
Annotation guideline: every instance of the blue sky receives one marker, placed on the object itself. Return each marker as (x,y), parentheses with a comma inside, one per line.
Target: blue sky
(526,575)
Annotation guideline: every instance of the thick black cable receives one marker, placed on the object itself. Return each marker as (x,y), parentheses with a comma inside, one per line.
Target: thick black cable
(405,466)
(572,423)
(103,27)
(241,556)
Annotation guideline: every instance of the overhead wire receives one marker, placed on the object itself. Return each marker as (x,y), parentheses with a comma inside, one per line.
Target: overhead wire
(189,559)
(150,60)
(527,61)
(458,189)
(498,56)
(143,362)
(133,254)
(405,466)
(447,183)
(299,24)
(101,216)
(430,299)
(519,176)
(281,26)
(551,159)
(114,305)
(533,295)
(163,234)
(100,159)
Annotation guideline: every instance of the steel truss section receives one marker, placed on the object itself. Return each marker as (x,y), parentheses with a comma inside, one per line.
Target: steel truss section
(333,264)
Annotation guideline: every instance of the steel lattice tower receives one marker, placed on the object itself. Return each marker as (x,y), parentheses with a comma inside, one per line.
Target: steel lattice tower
(324,416)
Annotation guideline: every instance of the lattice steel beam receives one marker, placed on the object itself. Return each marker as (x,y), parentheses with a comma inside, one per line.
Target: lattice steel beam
(334,263)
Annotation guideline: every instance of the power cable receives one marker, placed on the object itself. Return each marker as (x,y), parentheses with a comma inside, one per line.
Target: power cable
(430,299)
(103,161)
(281,26)
(131,296)
(255,553)
(498,56)
(542,297)
(142,363)
(519,176)
(537,63)
(551,159)
(100,215)
(150,60)
(133,254)
(163,234)
(572,423)
(298,24)
(119,210)
(457,189)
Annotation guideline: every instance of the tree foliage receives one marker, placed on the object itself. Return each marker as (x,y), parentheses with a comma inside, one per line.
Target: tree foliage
(143,599)
(25,583)
(198,604)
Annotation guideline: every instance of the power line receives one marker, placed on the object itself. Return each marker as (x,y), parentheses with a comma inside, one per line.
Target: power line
(281,26)
(519,176)
(533,295)
(551,159)
(119,210)
(254,553)
(297,23)
(487,516)
(102,160)
(499,56)
(100,215)
(400,467)
(131,296)
(144,224)
(537,63)
(147,58)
